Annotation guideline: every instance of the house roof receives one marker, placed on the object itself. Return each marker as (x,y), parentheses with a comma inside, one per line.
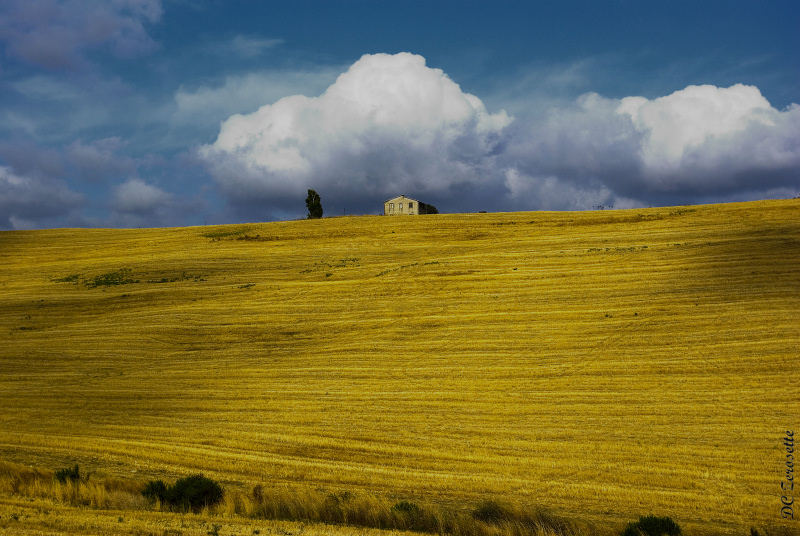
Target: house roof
(404,196)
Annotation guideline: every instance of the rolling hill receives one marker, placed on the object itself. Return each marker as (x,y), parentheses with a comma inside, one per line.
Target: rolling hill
(603,365)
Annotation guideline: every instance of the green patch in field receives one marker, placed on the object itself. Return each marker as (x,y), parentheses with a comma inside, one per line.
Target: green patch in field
(324,266)
(183,276)
(109,279)
(682,211)
(72,278)
(629,249)
(226,233)
(257,238)
(401,267)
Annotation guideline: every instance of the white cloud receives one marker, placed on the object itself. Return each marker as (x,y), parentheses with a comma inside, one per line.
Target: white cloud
(388,124)
(137,197)
(686,119)
(696,142)
(209,105)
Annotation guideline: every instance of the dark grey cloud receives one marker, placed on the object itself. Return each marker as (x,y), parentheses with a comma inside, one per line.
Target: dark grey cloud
(58,34)
(27,158)
(100,160)
(33,202)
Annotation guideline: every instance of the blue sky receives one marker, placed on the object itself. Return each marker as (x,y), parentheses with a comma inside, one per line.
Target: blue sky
(130,113)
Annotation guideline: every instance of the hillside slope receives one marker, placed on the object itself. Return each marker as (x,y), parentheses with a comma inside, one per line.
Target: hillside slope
(603,364)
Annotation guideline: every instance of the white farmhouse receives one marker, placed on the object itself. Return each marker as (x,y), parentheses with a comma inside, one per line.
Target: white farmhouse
(400,205)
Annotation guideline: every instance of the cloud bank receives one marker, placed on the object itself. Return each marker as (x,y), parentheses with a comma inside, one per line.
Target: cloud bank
(390,124)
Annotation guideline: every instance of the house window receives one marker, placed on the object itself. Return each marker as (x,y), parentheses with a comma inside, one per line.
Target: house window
(401,206)
(391,207)
(411,206)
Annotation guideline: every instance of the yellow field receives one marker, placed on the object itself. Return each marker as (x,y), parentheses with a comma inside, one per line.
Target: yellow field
(604,365)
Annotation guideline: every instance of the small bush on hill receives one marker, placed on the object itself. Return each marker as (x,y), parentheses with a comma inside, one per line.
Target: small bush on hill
(155,489)
(652,526)
(412,517)
(189,493)
(491,512)
(73,474)
(406,507)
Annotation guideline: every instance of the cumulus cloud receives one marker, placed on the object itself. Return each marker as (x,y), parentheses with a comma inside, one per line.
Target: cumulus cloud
(30,202)
(697,142)
(56,34)
(390,124)
(713,134)
(137,197)
(138,203)
(209,105)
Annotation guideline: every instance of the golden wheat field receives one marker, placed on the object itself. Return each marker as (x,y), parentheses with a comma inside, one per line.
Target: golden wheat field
(603,365)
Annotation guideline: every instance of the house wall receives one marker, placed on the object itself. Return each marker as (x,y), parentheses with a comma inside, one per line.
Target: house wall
(401,205)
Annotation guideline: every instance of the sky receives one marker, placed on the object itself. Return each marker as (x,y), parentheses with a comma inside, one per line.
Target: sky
(149,113)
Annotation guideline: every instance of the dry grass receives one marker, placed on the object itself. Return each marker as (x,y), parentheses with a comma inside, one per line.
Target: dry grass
(288,503)
(605,365)
(40,517)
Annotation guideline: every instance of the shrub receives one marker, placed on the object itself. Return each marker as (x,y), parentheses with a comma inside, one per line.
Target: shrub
(425,208)
(491,512)
(406,507)
(155,489)
(413,517)
(190,493)
(652,526)
(193,493)
(258,493)
(72,474)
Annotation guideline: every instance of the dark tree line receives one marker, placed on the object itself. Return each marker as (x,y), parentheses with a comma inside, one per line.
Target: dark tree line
(425,208)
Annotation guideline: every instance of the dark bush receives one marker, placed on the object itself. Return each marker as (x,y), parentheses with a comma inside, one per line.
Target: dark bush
(652,526)
(406,507)
(193,493)
(190,493)
(155,489)
(413,517)
(72,474)
(258,493)
(491,512)
(425,208)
